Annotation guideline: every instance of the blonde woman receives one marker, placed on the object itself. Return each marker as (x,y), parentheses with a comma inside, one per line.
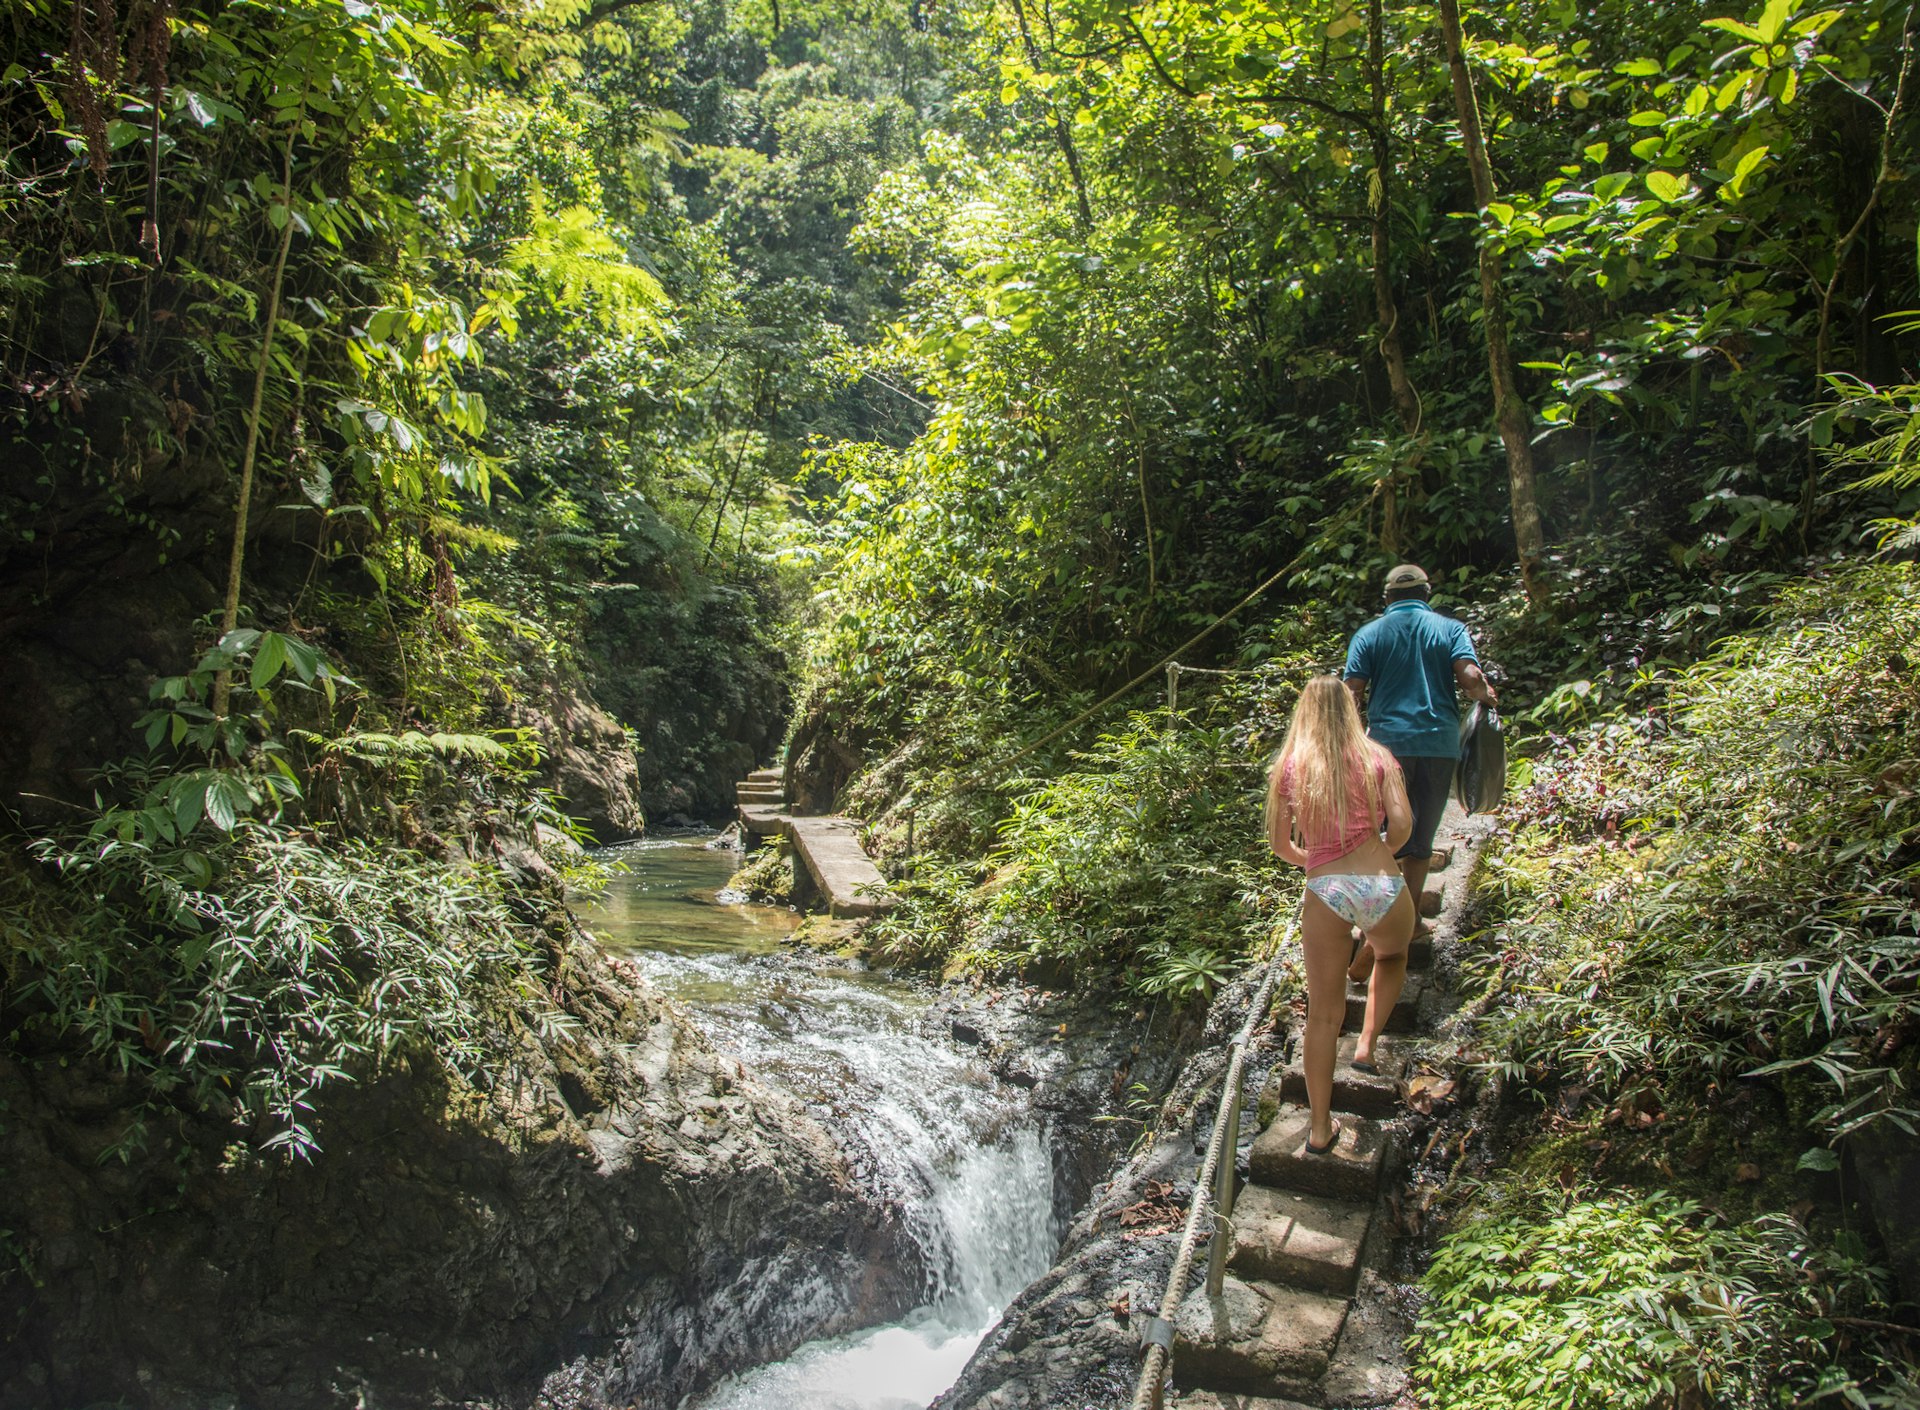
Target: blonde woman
(1327,792)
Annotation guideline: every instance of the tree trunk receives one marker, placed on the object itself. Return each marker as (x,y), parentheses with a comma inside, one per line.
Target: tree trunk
(1511,413)
(1406,402)
(1062,133)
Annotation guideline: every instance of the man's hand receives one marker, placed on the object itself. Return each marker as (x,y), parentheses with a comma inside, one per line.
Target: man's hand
(1474,683)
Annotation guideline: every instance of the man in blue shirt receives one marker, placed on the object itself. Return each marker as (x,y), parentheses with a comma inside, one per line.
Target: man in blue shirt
(1403,668)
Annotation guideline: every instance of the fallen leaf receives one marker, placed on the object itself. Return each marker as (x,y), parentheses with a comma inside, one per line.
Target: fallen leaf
(1427,1090)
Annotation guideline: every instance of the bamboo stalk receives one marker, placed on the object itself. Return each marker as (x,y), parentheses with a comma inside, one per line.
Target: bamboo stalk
(236,560)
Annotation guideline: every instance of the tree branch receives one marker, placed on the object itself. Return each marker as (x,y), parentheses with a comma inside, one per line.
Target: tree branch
(1146,47)
(1277,97)
(606,9)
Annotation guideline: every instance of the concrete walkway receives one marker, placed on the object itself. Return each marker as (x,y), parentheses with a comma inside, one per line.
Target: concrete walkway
(831,867)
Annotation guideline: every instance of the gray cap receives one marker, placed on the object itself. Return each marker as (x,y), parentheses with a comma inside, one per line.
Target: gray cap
(1407,575)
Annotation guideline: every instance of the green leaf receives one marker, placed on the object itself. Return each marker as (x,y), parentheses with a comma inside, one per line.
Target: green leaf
(1647,117)
(267,662)
(1773,20)
(1666,186)
(1818,1158)
(1745,167)
(188,799)
(227,798)
(304,659)
(1735,27)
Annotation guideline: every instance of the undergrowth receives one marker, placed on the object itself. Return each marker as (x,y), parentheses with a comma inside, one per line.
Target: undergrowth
(293,965)
(1623,1300)
(237,924)
(1144,859)
(1704,962)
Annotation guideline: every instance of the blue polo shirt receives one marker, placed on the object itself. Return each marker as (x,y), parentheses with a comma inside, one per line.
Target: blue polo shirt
(1406,656)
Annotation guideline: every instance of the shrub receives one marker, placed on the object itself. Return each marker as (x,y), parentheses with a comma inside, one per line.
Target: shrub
(244,982)
(1732,888)
(1621,1301)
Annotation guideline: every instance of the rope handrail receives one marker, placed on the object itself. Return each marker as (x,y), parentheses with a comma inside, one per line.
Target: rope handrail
(1159,1332)
(1174,655)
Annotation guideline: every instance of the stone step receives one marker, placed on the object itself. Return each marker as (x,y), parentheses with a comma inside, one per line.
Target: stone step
(1431,900)
(1352,1091)
(1350,1171)
(1228,1400)
(758,792)
(1305,1241)
(762,819)
(1405,1010)
(1442,859)
(1255,1337)
(778,776)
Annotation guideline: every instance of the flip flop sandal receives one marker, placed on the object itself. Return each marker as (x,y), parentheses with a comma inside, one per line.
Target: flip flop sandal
(1332,1140)
(1366,1067)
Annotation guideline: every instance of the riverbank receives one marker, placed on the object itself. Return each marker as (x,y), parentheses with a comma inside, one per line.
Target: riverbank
(623,1200)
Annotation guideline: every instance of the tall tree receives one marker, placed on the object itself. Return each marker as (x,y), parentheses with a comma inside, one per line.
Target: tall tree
(1510,410)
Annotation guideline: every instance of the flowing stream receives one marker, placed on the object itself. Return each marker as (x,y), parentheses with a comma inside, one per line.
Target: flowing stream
(961,1152)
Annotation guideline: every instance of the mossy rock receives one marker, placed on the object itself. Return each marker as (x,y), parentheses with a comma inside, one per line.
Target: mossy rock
(832,936)
(768,876)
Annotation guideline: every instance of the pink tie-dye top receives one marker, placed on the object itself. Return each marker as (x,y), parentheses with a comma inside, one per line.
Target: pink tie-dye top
(1362,823)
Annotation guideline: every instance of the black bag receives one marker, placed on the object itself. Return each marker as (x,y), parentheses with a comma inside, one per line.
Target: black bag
(1480,778)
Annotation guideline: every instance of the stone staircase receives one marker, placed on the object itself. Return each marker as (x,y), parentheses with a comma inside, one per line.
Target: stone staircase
(761,801)
(1300,1229)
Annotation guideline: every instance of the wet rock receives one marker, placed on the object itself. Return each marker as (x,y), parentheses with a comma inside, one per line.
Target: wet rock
(1073,1337)
(1089,1057)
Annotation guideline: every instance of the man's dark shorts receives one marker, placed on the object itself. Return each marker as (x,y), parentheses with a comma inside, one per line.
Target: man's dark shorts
(1429,782)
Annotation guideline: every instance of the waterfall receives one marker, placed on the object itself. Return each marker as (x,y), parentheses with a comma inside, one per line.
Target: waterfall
(961,1153)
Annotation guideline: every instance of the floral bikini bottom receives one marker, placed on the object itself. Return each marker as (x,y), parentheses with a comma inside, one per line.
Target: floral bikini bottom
(1356,898)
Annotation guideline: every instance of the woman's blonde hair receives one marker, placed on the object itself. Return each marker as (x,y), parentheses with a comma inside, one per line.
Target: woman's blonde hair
(1325,746)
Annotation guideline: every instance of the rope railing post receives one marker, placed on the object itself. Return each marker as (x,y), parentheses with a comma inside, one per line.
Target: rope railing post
(1223,1201)
(1158,1334)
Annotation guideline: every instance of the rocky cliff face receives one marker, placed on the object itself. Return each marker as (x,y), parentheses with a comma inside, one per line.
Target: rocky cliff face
(620,1217)
(586,757)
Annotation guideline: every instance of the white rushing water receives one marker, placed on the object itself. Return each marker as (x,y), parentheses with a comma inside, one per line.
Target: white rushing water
(960,1151)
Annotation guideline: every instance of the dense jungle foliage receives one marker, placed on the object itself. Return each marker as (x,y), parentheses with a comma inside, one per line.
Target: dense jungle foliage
(932,374)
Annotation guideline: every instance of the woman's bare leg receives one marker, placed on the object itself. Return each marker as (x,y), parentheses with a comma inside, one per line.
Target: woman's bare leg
(1362,965)
(1389,940)
(1326,941)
